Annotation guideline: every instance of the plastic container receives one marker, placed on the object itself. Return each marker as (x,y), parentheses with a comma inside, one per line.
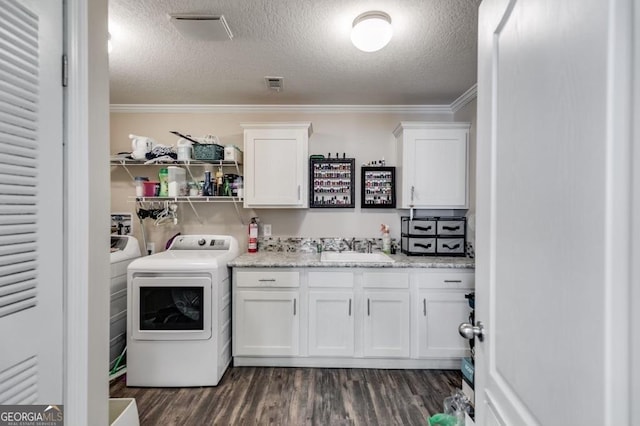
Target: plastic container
(163,175)
(184,150)
(177,181)
(232,153)
(184,153)
(140,180)
(150,188)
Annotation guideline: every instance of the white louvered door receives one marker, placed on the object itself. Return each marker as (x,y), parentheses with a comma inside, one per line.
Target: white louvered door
(31,197)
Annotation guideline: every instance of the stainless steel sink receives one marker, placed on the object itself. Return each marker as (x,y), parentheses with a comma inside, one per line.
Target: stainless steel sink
(352,256)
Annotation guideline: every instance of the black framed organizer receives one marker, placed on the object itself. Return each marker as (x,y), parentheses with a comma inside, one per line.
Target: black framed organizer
(378,187)
(331,182)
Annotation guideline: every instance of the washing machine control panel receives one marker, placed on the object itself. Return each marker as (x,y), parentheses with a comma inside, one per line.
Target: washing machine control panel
(201,242)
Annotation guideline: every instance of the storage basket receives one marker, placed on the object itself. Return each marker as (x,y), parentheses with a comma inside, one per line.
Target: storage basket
(208,152)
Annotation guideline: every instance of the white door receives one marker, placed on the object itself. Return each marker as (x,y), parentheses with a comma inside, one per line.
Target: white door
(386,324)
(266,323)
(553,213)
(31,280)
(331,325)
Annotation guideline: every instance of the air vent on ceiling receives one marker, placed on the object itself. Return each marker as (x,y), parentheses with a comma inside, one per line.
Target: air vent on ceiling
(274,83)
(203,27)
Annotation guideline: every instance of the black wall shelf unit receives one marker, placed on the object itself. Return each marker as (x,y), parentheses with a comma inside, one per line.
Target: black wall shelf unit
(331,183)
(378,187)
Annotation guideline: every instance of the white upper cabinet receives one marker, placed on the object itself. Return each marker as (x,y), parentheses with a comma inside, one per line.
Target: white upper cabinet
(276,164)
(433,164)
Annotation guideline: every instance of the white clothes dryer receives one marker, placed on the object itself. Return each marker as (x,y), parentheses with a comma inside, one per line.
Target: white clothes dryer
(179,313)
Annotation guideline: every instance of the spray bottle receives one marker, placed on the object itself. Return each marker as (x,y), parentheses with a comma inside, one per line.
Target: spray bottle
(253,235)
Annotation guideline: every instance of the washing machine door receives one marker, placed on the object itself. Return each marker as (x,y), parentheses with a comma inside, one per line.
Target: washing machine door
(171,308)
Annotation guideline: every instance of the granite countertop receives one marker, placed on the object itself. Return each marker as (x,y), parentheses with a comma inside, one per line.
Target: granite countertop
(306,260)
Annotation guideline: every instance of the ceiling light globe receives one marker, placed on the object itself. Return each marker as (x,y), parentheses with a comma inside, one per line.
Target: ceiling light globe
(371,31)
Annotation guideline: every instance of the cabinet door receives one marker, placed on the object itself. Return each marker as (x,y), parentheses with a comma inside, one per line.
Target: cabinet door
(434,167)
(266,323)
(276,167)
(331,325)
(440,314)
(386,324)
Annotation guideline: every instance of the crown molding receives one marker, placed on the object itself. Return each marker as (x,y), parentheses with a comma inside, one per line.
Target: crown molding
(302,109)
(456,105)
(464,99)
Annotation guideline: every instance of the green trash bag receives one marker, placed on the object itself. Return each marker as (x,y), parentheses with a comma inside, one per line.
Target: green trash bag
(443,420)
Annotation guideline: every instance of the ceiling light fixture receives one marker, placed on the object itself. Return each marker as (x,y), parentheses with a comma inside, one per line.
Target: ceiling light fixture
(371,31)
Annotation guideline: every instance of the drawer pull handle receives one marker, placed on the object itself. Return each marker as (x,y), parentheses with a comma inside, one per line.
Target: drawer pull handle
(294,307)
(368,307)
(422,228)
(349,307)
(453,281)
(267,280)
(423,245)
(451,247)
(424,307)
(451,228)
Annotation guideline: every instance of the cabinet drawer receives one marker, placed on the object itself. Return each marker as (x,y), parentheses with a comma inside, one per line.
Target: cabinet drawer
(330,279)
(450,246)
(445,279)
(267,278)
(413,245)
(418,227)
(385,280)
(451,227)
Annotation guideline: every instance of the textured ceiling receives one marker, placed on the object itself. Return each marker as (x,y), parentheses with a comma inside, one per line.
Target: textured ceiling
(431,59)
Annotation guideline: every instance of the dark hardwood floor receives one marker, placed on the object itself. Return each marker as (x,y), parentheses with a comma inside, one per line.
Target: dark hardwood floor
(298,396)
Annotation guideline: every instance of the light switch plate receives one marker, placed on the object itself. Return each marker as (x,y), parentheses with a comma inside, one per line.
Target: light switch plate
(266,230)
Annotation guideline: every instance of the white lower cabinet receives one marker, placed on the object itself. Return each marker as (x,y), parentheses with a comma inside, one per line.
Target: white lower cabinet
(439,308)
(349,317)
(267,323)
(387,324)
(331,325)
(440,314)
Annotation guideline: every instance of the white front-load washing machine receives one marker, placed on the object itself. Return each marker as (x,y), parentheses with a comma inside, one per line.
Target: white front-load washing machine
(124,249)
(179,313)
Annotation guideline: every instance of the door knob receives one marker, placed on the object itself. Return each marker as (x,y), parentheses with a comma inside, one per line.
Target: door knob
(469,331)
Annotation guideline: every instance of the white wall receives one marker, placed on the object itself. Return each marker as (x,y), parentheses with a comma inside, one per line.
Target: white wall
(365,136)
